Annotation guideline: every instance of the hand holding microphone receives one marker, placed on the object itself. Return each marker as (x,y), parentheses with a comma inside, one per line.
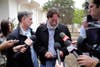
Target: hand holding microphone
(70,47)
(59,65)
(22,48)
(19,48)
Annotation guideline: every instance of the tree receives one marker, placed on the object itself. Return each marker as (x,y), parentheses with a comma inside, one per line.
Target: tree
(78,15)
(65,8)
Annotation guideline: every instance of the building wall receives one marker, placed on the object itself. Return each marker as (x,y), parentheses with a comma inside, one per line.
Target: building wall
(4,9)
(38,18)
(10,8)
(13,9)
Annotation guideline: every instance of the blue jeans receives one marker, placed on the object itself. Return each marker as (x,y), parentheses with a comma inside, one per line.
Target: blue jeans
(49,64)
(41,65)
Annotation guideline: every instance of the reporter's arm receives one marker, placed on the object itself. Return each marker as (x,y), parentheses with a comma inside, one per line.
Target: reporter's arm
(7,44)
(19,48)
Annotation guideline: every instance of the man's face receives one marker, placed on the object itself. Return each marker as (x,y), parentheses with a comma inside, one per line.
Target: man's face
(53,20)
(10,27)
(27,21)
(93,10)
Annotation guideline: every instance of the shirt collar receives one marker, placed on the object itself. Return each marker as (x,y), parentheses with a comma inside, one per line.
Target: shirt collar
(23,32)
(51,27)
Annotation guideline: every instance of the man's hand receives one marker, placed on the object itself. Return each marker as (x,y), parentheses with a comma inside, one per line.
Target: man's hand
(48,55)
(61,54)
(59,65)
(87,61)
(19,48)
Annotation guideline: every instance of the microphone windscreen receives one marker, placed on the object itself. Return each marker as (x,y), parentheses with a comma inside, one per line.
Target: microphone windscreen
(62,34)
(80,40)
(57,45)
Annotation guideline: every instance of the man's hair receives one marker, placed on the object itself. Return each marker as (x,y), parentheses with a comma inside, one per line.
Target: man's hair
(52,11)
(97,3)
(22,14)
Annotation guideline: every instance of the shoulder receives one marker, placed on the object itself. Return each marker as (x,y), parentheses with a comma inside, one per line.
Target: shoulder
(62,26)
(42,27)
(32,32)
(13,34)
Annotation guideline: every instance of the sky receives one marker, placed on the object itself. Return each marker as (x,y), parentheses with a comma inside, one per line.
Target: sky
(78,3)
(41,1)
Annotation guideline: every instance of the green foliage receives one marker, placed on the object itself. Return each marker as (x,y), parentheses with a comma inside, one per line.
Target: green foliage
(78,15)
(65,8)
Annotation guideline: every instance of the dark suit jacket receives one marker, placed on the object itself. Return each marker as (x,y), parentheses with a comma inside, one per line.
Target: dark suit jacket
(42,35)
(22,60)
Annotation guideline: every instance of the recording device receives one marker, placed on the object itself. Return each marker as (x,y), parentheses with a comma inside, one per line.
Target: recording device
(57,46)
(28,42)
(92,22)
(93,25)
(93,39)
(70,47)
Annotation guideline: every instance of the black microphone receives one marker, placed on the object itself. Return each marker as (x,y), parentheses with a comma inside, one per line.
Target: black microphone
(33,37)
(70,47)
(57,46)
(80,40)
(28,42)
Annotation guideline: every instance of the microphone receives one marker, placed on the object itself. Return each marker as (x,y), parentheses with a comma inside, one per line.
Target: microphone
(65,38)
(28,42)
(33,37)
(57,46)
(70,47)
(80,40)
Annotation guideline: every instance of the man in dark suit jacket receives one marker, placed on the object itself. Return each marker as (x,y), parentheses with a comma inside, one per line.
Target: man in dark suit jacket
(91,43)
(47,34)
(21,33)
